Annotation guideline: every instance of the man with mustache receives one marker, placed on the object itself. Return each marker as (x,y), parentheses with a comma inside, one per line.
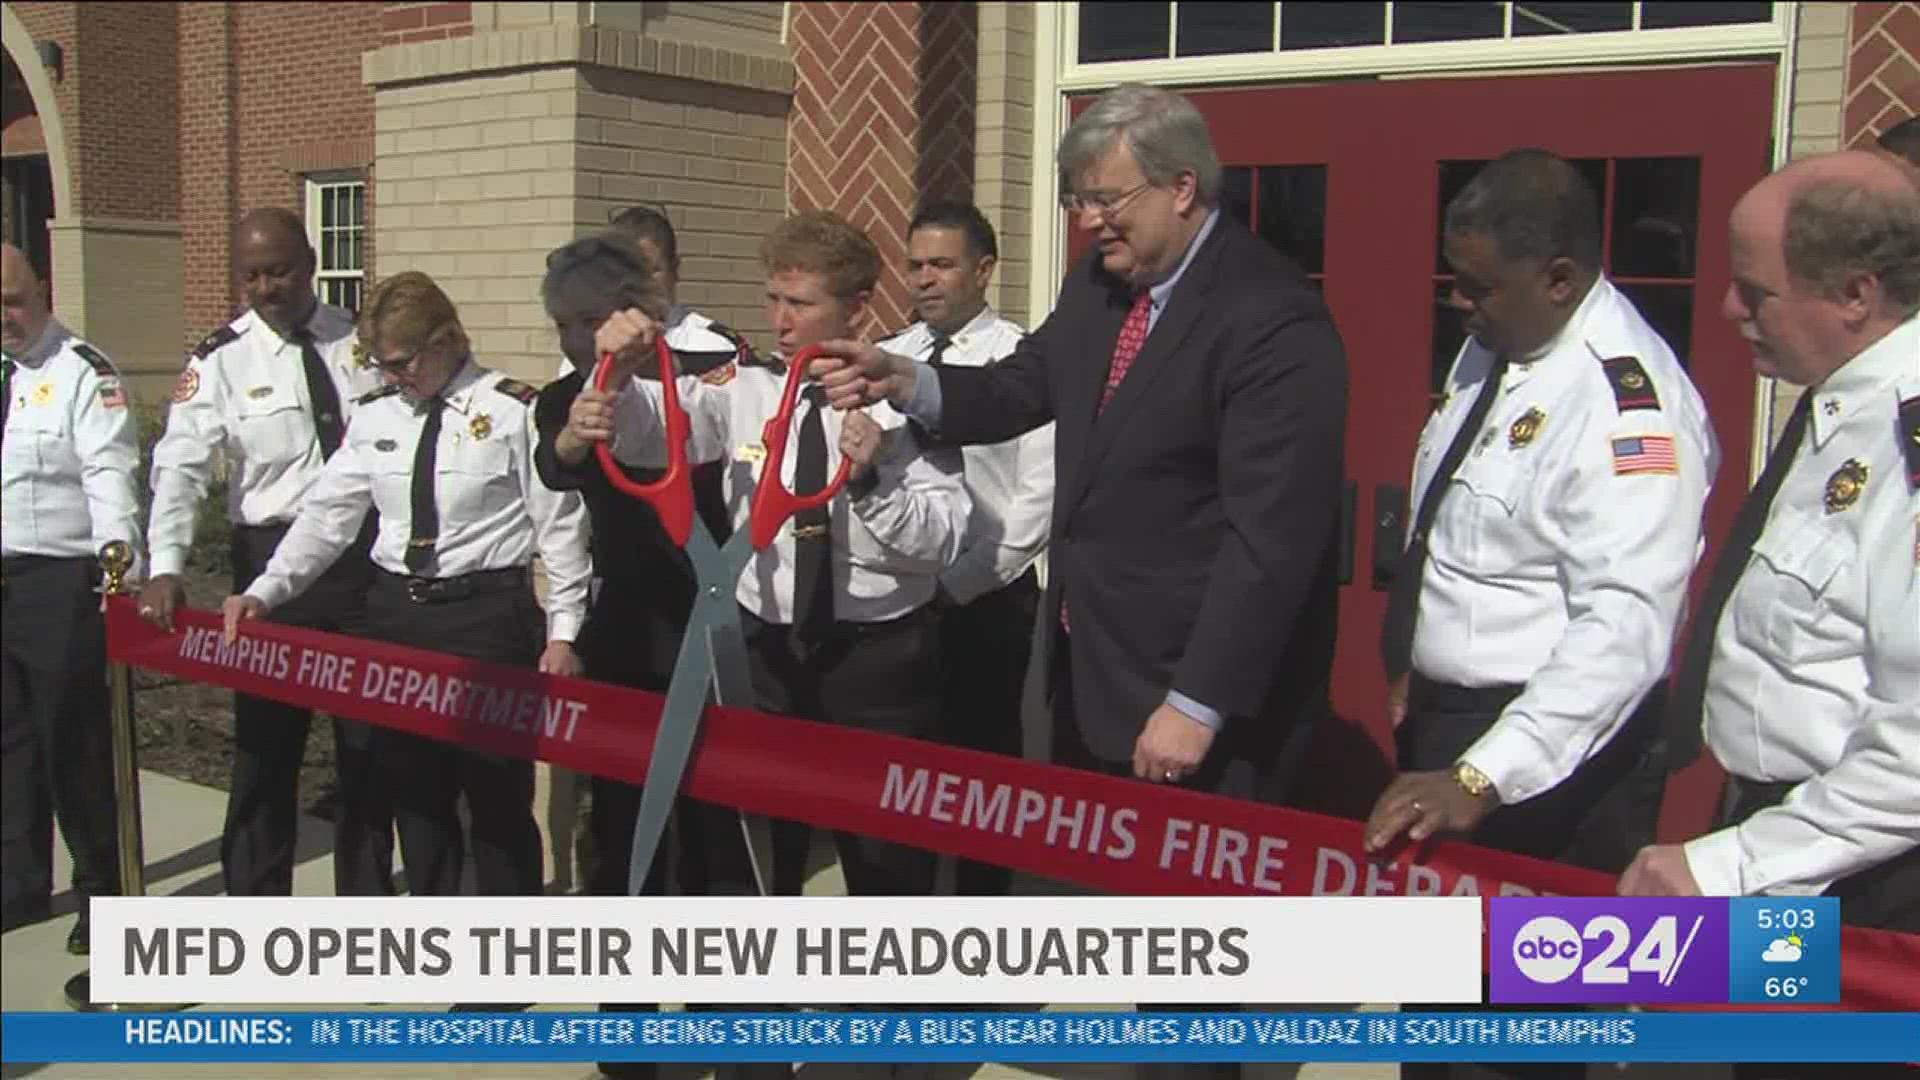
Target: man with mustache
(274,390)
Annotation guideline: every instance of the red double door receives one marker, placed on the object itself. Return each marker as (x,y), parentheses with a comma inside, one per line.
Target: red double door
(1351,178)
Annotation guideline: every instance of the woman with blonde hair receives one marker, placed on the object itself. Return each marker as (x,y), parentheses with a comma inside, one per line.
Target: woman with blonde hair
(444,451)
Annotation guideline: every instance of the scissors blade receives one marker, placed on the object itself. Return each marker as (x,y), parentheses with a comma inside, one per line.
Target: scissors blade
(733,685)
(672,748)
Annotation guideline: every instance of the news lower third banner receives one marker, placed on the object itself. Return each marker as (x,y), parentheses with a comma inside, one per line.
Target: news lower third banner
(785,950)
(899,1037)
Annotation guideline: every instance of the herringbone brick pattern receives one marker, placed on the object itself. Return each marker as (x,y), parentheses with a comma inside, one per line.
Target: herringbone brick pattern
(1883,69)
(882,120)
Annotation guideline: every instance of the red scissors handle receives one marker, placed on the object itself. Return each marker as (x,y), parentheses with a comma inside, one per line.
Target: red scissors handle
(671,496)
(773,501)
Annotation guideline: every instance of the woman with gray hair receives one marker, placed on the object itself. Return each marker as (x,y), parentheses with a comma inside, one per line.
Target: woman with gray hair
(644,584)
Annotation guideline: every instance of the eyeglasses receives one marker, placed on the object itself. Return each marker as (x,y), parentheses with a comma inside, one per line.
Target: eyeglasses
(1099,201)
(394,366)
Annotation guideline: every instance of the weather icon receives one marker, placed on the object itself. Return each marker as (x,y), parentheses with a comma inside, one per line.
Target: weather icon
(1786,950)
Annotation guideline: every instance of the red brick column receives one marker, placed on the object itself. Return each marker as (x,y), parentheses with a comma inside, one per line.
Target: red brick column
(209,188)
(1883,70)
(882,121)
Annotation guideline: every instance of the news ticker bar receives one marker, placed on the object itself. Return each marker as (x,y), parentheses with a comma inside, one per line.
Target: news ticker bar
(714,1038)
(934,951)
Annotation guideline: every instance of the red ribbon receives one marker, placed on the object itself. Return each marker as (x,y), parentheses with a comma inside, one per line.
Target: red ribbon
(1102,832)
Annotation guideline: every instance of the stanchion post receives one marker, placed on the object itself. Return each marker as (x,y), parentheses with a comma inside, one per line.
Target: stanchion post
(116,558)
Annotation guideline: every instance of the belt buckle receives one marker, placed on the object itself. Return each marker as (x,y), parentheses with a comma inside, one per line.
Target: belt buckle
(418,590)
(808,532)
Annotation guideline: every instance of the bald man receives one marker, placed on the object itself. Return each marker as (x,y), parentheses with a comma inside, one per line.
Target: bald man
(67,459)
(1805,661)
(273,389)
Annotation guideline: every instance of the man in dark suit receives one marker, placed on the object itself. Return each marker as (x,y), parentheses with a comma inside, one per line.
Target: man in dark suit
(1199,390)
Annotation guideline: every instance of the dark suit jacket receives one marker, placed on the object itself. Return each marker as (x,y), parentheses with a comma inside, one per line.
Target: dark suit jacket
(1195,520)
(635,624)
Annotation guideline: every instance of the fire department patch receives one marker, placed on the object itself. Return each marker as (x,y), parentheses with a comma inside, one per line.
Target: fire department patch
(721,375)
(188,385)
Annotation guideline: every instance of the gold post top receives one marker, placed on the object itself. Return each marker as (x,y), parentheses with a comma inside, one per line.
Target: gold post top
(116,558)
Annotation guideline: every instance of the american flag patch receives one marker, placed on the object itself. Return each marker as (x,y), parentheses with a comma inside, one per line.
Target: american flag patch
(1644,454)
(111,396)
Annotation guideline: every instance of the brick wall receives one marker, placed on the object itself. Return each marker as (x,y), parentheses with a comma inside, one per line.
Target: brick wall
(883,120)
(1883,69)
(272,92)
(128,111)
(402,23)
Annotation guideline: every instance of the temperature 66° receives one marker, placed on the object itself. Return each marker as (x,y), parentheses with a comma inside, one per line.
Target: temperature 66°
(1789,987)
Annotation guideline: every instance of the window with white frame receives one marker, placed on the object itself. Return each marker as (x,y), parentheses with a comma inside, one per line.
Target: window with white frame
(336,226)
(1186,28)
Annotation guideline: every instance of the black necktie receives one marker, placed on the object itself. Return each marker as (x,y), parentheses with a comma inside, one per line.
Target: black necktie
(812,534)
(1686,706)
(425,515)
(940,343)
(1403,596)
(328,425)
(6,397)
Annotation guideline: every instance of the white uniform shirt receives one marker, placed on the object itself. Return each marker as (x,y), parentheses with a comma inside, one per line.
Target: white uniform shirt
(493,508)
(1815,676)
(66,482)
(1011,483)
(1560,558)
(244,391)
(888,547)
(694,338)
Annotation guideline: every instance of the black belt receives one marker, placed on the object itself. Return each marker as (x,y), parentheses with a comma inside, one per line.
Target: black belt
(1447,697)
(424,590)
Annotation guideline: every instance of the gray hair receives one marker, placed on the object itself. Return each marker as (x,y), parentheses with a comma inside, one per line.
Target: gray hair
(604,272)
(1837,228)
(1166,134)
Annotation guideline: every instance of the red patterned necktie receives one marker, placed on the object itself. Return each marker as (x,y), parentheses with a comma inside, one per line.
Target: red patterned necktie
(1133,334)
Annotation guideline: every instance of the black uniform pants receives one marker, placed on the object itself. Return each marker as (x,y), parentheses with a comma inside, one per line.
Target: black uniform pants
(270,743)
(1599,818)
(489,616)
(631,640)
(56,750)
(882,677)
(989,640)
(1886,897)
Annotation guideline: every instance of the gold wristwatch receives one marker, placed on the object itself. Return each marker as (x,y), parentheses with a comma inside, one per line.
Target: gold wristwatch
(1475,782)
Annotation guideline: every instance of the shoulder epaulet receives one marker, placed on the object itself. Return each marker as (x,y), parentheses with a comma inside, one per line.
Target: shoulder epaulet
(521,392)
(1910,438)
(1632,389)
(99,363)
(728,332)
(219,339)
(376,394)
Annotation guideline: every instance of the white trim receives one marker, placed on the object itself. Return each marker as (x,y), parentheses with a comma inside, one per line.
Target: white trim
(1056,31)
(1479,54)
(1764,388)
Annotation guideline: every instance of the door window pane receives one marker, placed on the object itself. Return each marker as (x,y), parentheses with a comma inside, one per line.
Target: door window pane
(1446,22)
(1670,13)
(1324,26)
(1123,31)
(1208,29)
(1656,212)
(1670,309)
(1535,19)
(1293,213)
(1236,193)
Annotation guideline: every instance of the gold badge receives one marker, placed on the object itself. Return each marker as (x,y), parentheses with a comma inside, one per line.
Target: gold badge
(259,392)
(360,354)
(1633,380)
(1845,485)
(1525,429)
(42,394)
(753,452)
(482,426)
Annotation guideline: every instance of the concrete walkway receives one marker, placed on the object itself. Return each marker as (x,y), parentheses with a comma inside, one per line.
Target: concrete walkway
(183,858)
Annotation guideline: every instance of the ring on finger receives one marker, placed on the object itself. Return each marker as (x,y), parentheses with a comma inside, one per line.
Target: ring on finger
(1417,808)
